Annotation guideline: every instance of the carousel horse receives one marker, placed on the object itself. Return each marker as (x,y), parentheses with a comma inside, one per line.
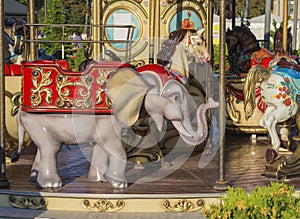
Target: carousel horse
(278,89)
(182,41)
(242,41)
(14,44)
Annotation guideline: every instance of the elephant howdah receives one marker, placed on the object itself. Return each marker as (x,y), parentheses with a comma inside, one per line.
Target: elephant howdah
(48,86)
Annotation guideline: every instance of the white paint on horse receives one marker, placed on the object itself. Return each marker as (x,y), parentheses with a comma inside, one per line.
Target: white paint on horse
(193,44)
(276,94)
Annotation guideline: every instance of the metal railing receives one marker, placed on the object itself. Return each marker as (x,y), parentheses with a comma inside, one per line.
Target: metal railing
(66,28)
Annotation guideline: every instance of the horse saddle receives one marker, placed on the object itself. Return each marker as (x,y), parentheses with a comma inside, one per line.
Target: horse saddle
(262,54)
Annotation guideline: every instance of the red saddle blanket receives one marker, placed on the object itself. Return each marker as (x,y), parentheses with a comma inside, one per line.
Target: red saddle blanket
(262,57)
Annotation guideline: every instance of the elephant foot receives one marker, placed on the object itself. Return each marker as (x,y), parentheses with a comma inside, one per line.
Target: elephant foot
(117,184)
(49,182)
(271,154)
(96,177)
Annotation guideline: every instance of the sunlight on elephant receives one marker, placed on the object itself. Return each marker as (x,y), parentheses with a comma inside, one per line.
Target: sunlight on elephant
(130,93)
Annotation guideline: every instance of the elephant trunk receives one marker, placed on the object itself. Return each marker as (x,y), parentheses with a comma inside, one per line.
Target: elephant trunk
(195,136)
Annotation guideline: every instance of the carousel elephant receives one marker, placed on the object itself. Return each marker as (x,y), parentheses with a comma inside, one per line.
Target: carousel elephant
(128,91)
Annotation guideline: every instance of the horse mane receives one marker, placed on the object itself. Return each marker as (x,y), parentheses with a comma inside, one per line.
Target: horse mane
(244,30)
(169,46)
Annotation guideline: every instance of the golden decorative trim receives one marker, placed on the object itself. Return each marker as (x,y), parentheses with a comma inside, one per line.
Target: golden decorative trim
(183,205)
(85,93)
(15,100)
(63,93)
(137,63)
(100,80)
(234,114)
(103,205)
(36,97)
(27,202)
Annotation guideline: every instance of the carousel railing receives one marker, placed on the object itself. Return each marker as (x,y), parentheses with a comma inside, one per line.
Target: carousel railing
(127,32)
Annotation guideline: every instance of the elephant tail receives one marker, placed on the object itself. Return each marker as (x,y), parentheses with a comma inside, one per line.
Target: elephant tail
(21,133)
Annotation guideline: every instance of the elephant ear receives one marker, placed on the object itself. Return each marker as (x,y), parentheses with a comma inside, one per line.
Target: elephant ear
(155,84)
(126,90)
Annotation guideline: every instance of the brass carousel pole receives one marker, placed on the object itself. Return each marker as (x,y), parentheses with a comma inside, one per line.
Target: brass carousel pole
(152,30)
(221,183)
(96,31)
(3,180)
(296,5)
(285,24)
(32,49)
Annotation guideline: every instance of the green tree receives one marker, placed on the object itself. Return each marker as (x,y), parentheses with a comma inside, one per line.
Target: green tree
(55,15)
(256,8)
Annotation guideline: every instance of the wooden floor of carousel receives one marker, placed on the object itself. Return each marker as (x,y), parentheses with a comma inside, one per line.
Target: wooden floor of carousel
(178,186)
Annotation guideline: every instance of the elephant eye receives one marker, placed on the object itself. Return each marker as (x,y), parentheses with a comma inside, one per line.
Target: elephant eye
(176,97)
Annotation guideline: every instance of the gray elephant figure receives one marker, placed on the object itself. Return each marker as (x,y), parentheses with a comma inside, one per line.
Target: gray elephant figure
(128,91)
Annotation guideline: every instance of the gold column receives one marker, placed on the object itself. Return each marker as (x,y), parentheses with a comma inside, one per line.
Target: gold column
(285,24)
(3,181)
(32,50)
(96,31)
(152,13)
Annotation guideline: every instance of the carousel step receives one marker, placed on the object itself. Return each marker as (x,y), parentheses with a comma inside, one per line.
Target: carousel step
(10,213)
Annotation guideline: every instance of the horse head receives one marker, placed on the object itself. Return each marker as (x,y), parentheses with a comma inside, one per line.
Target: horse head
(196,45)
(191,40)
(232,41)
(180,45)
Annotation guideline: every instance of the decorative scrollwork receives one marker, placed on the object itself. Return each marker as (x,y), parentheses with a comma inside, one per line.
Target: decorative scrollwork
(103,76)
(137,63)
(100,80)
(61,83)
(15,100)
(183,206)
(104,205)
(85,93)
(27,202)
(234,114)
(40,87)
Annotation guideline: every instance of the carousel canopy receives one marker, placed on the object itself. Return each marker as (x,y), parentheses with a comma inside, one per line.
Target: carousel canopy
(14,8)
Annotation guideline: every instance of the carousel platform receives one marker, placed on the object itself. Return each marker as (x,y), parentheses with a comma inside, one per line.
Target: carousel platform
(181,192)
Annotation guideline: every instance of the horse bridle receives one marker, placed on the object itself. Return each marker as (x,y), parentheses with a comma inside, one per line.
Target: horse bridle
(190,40)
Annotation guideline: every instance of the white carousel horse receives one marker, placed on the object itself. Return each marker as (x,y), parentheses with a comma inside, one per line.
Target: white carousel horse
(180,44)
(278,88)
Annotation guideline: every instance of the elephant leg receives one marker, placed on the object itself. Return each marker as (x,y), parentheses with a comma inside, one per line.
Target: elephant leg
(47,175)
(116,169)
(35,167)
(99,164)
(109,140)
